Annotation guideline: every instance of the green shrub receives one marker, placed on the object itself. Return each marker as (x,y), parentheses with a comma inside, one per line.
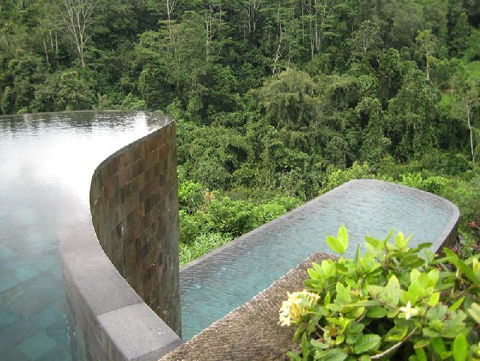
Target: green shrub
(230,217)
(337,177)
(191,226)
(393,303)
(433,184)
(190,196)
(202,245)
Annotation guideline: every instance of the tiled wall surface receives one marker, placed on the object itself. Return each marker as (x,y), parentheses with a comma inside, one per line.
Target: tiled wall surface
(134,202)
(134,206)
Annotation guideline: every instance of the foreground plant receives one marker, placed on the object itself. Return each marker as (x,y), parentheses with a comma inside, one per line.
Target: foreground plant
(393,303)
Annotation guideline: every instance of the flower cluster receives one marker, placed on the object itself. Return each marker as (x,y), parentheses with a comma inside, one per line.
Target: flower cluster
(296,306)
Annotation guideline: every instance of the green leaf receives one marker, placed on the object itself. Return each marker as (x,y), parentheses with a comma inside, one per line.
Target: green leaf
(414,274)
(305,347)
(461,266)
(374,291)
(356,328)
(335,355)
(366,343)
(339,244)
(457,304)
(421,356)
(434,299)
(392,291)
(335,245)
(319,345)
(343,294)
(474,312)
(364,303)
(342,235)
(433,276)
(375,243)
(328,268)
(439,347)
(411,261)
(293,356)
(400,240)
(460,347)
(396,334)
(377,312)
(422,343)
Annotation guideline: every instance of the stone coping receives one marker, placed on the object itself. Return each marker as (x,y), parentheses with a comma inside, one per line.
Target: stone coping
(123,326)
(251,331)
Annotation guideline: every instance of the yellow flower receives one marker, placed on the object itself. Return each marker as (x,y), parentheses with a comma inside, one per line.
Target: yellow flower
(409,311)
(296,306)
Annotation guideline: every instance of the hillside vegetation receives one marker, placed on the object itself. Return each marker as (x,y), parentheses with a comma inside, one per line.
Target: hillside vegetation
(277,101)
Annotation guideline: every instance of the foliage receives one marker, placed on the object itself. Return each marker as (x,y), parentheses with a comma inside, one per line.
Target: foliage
(393,303)
(290,98)
(202,245)
(433,184)
(190,196)
(337,177)
(203,213)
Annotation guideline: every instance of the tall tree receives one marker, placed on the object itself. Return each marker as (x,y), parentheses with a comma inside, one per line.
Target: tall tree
(77,18)
(466,109)
(427,43)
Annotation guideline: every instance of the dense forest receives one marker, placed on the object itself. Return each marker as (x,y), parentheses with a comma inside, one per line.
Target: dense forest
(276,101)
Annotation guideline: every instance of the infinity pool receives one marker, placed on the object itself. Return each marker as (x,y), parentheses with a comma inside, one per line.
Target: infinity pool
(225,279)
(46,164)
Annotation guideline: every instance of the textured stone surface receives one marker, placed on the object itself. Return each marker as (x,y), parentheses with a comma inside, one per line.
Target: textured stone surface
(136,222)
(133,337)
(250,332)
(135,214)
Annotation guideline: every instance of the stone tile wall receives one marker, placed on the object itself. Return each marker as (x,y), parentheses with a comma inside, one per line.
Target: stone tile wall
(134,203)
(134,207)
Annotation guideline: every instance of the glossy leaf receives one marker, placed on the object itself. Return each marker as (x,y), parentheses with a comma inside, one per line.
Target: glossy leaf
(366,343)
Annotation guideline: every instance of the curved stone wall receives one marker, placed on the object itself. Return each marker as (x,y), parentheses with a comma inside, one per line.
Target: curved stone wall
(134,206)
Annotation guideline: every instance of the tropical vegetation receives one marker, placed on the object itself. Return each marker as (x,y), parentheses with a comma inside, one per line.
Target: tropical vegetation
(392,303)
(276,101)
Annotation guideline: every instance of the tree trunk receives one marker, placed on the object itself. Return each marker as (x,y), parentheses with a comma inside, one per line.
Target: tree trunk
(470,129)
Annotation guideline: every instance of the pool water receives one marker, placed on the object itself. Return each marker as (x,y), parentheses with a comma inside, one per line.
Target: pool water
(46,164)
(213,286)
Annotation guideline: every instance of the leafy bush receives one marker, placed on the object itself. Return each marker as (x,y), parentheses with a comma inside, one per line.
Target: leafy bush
(231,217)
(190,196)
(191,226)
(202,245)
(393,303)
(433,184)
(337,177)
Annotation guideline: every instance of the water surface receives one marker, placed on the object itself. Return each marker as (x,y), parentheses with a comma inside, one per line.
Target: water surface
(212,287)
(46,165)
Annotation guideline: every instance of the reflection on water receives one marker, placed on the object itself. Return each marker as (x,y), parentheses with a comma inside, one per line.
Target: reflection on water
(46,164)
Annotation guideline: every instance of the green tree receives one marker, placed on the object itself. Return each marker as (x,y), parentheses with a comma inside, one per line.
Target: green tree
(77,18)
(466,108)
(289,99)
(427,43)
(411,116)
